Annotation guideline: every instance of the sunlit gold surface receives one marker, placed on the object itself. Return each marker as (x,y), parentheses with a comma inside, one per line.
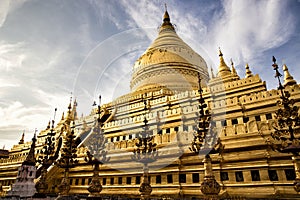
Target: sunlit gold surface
(156,76)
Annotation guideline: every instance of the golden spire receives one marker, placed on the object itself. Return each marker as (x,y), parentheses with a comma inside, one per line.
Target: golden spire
(69,114)
(166,21)
(63,116)
(248,71)
(30,159)
(22,138)
(233,71)
(166,15)
(288,78)
(74,111)
(223,68)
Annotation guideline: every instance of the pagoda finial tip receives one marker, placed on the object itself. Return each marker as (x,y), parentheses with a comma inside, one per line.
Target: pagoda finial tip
(248,71)
(220,52)
(274,59)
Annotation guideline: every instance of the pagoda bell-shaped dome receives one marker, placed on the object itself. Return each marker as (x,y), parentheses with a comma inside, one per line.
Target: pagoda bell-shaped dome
(168,63)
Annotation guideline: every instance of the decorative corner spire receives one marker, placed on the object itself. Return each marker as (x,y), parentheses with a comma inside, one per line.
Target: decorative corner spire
(53,121)
(212,73)
(233,71)
(63,116)
(288,78)
(75,102)
(30,159)
(69,107)
(220,52)
(70,104)
(74,111)
(70,117)
(22,138)
(223,68)
(248,71)
(99,112)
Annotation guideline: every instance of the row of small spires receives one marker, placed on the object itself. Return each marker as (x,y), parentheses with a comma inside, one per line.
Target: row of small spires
(224,71)
(71,114)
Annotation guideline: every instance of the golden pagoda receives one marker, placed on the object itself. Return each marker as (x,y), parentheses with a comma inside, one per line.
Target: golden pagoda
(168,82)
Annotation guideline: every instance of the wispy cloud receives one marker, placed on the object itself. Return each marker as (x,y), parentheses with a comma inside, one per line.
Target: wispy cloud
(246,29)
(7,6)
(243,29)
(11,56)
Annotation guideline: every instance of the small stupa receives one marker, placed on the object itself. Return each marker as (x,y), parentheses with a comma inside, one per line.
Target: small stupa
(24,186)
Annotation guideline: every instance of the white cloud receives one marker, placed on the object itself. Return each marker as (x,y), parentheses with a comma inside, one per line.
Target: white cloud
(145,14)
(17,117)
(243,29)
(248,28)
(11,56)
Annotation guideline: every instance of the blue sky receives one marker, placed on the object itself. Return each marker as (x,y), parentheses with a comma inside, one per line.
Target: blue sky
(49,49)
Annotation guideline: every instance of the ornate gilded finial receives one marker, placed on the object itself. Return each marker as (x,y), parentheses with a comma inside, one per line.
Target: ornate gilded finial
(146,144)
(30,159)
(70,104)
(223,68)
(75,102)
(96,154)
(49,125)
(233,71)
(220,52)
(22,138)
(53,121)
(55,110)
(285,137)
(274,60)
(63,116)
(99,111)
(70,113)
(74,111)
(248,71)
(203,121)
(288,78)
(277,75)
(166,15)
(166,21)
